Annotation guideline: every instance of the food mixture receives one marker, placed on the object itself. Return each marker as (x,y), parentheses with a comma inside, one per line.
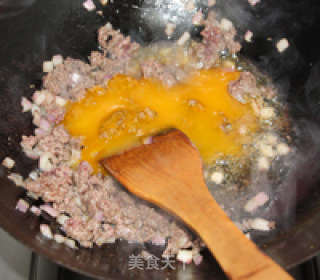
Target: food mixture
(127,94)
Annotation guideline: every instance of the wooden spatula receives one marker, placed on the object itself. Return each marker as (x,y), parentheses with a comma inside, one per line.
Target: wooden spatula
(168,173)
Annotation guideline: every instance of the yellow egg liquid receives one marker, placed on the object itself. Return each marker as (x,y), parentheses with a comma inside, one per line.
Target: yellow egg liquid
(113,119)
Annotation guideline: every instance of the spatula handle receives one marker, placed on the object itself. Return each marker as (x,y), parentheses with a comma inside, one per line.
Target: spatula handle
(238,256)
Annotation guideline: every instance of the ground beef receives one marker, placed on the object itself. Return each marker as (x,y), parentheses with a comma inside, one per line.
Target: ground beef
(100,210)
(70,79)
(153,68)
(58,144)
(114,44)
(215,40)
(244,88)
(104,68)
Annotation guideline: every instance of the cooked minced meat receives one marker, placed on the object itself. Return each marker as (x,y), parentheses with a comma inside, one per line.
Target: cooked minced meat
(99,210)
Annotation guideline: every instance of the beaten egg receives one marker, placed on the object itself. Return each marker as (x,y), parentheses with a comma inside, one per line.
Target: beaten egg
(123,114)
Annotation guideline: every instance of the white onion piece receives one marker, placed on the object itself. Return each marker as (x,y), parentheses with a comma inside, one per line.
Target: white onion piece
(60,101)
(59,238)
(49,209)
(226,24)
(263,163)
(147,140)
(283,149)
(282,45)
(211,3)
(44,124)
(261,224)
(61,219)
(248,36)
(40,132)
(35,109)
(217,177)
(22,205)
(259,200)
(8,162)
(46,231)
(184,38)
(44,162)
(39,97)
(35,210)
(47,66)
(197,259)
(26,105)
(16,178)
(70,243)
(184,256)
(32,195)
(89,5)
(267,113)
(57,59)
(32,153)
(75,157)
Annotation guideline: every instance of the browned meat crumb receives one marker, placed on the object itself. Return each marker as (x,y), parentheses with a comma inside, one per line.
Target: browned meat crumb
(215,40)
(115,44)
(153,68)
(244,88)
(100,210)
(70,79)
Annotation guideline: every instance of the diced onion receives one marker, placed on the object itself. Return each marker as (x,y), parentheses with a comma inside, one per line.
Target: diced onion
(70,243)
(282,45)
(226,24)
(184,38)
(184,256)
(57,59)
(16,178)
(61,219)
(259,200)
(22,205)
(35,210)
(261,224)
(47,66)
(8,162)
(248,36)
(44,162)
(46,231)
(59,238)
(49,209)
(217,177)
(283,149)
(60,101)
(89,5)
(26,105)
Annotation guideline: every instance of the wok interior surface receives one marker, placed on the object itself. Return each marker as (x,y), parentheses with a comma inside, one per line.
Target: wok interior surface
(32,31)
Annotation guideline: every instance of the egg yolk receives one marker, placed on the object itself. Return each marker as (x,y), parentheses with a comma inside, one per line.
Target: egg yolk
(120,116)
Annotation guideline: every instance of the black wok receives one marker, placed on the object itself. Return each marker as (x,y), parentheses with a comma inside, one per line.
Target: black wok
(33,30)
